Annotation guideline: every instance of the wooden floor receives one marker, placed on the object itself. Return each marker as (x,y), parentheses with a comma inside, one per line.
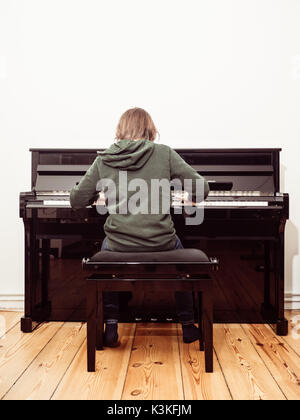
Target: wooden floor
(251,363)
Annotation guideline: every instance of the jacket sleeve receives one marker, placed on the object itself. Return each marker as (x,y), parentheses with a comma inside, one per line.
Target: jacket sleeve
(181,170)
(85,193)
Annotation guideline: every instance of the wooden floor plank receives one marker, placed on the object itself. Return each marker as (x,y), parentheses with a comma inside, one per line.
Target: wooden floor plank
(278,357)
(108,381)
(41,379)
(18,350)
(244,371)
(250,360)
(293,339)
(154,371)
(197,384)
(8,319)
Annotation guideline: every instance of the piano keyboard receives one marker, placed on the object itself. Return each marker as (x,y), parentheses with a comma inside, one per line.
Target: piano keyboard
(234,204)
(219,203)
(232,193)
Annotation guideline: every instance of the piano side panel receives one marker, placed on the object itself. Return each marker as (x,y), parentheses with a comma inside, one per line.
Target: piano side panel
(34,164)
(276,165)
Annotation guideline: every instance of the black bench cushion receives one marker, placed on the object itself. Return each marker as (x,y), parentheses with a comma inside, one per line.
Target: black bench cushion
(179,256)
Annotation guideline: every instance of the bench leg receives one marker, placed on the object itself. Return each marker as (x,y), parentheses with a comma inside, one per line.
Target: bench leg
(100,322)
(200,321)
(207,300)
(91,325)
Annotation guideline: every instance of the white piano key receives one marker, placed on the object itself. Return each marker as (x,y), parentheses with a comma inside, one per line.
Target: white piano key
(57,203)
(233,204)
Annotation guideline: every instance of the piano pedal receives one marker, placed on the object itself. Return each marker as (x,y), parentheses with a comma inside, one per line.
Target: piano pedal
(54,252)
(140,317)
(170,319)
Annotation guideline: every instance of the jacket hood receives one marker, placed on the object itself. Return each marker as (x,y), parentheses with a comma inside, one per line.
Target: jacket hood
(128,154)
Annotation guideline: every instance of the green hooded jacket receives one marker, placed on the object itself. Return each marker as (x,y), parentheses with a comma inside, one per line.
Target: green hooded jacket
(129,164)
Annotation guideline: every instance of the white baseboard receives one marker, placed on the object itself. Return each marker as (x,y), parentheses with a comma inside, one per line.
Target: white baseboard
(16,302)
(12,302)
(292,301)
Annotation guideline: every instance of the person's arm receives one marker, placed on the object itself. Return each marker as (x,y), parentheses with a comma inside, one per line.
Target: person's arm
(85,193)
(181,170)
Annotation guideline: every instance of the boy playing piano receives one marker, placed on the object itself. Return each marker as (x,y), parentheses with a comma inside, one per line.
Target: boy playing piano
(135,154)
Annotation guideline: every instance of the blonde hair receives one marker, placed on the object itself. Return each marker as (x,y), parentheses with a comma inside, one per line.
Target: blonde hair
(136,124)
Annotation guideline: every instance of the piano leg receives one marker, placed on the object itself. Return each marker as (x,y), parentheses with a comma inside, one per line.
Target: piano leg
(40,279)
(282,328)
(26,325)
(282,323)
(30,245)
(46,304)
(33,313)
(267,309)
(267,275)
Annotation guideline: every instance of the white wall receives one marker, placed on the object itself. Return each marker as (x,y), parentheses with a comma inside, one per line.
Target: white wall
(213,73)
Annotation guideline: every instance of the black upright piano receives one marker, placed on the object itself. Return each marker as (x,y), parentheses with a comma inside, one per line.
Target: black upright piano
(244,225)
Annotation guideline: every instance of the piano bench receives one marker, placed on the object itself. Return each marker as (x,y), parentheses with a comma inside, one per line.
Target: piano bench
(183,270)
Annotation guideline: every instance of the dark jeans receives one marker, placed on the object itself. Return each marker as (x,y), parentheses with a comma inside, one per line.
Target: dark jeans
(184,300)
